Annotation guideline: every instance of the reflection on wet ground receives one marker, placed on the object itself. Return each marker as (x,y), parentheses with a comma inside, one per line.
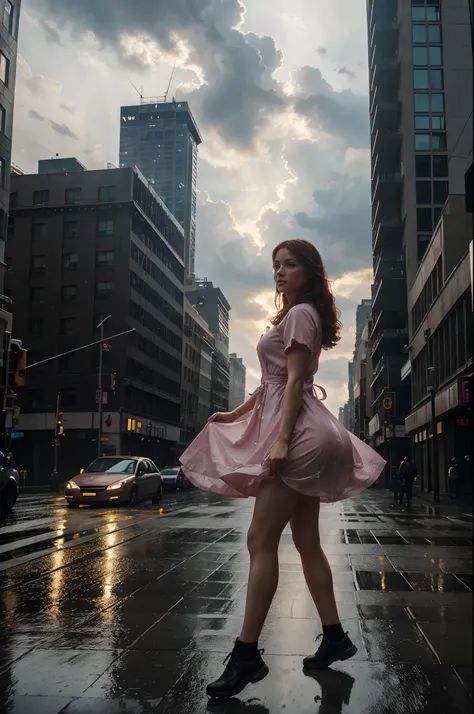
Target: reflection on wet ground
(133,610)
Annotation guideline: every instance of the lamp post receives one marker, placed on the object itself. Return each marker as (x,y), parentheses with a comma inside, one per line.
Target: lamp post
(99,387)
(431,381)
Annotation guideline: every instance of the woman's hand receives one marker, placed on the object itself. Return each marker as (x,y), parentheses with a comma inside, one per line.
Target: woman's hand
(223,417)
(278,457)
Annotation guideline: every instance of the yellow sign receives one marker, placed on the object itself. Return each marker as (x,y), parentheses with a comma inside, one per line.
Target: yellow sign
(387,403)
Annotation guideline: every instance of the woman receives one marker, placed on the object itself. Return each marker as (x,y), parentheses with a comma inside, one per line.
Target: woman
(286,449)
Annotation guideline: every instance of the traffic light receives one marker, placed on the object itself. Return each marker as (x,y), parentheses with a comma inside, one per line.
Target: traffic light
(60,425)
(113,382)
(17,369)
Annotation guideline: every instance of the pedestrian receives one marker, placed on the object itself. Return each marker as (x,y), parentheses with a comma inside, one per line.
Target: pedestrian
(399,477)
(407,477)
(454,479)
(288,451)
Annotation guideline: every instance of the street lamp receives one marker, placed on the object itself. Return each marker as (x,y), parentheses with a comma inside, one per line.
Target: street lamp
(99,388)
(431,387)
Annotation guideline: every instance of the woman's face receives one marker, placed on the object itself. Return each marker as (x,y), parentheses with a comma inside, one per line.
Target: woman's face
(289,274)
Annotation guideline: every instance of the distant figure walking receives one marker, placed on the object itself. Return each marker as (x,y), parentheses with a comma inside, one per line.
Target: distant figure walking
(406,477)
(454,479)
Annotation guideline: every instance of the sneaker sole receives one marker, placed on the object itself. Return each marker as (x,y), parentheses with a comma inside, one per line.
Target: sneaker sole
(345,655)
(261,674)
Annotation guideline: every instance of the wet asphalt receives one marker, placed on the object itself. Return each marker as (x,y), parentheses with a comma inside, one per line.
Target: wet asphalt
(124,611)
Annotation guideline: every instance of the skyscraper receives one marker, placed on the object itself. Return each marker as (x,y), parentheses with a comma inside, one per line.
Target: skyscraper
(419,97)
(161,139)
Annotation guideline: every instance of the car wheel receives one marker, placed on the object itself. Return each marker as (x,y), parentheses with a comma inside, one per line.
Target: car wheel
(8,499)
(133,499)
(71,504)
(159,495)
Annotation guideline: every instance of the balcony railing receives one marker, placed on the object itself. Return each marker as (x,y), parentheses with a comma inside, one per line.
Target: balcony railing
(390,334)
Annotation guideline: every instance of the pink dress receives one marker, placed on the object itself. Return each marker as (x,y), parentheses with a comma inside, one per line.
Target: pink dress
(324,459)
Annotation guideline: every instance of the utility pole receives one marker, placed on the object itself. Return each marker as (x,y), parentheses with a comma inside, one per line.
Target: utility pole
(56,432)
(7,318)
(99,389)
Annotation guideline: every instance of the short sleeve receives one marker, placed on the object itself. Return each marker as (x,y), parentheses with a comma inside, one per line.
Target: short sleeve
(300,327)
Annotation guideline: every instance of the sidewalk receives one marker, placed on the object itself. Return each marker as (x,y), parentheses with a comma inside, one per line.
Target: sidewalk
(145,625)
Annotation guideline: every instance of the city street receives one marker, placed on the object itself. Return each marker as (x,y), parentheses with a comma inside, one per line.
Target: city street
(110,611)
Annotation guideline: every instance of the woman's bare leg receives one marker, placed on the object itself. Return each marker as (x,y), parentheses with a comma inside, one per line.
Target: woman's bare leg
(274,506)
(317,571)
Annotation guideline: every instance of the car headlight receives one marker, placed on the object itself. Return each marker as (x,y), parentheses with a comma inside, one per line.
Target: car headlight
(71,484)
(114,486)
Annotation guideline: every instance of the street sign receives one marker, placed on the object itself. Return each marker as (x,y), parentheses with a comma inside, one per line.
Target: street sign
(104,396)
(18,434)
(387,403)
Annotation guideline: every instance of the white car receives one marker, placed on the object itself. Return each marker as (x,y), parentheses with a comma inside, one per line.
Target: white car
(175,478)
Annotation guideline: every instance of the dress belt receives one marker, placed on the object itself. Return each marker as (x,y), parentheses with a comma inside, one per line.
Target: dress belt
(275,379)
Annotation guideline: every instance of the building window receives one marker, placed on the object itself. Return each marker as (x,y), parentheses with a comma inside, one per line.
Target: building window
(71,229)
(422,103)
(419,33)
(40,197)
(103,289)
(2,171)
(424,221)
(438,140)
(104,258)
(3,118)
(38,263)
(72,196)
(433,14)
(39,230)
(105,227)
(436,78)
(420,56)
(422,122)
(107,194)
(70,261)
(436,56)
(437,103)
(438,122)
(36,296)
(8,16)
(35,327)
(4,69)
(418,14)
(14,200)
(437,211)
(440,192)
(422,142)
(440,166)
(69,293)
(67,325)
(420,78)
(423,193)
(434,33)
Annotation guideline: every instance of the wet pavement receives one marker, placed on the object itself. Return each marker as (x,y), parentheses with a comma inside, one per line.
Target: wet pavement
(121,610)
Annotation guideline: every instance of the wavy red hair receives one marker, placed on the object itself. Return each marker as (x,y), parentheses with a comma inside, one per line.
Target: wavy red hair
(317,290)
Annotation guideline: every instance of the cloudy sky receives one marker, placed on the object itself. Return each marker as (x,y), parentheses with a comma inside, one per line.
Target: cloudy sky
(279,91)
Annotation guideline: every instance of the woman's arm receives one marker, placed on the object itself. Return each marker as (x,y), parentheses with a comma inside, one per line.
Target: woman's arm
(298,366)
(246,406)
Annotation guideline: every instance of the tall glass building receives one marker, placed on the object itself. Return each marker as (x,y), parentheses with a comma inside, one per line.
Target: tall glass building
(420,77)
(161,138)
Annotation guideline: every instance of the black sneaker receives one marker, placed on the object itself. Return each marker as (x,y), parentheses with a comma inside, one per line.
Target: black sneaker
(330,652)
(239,672)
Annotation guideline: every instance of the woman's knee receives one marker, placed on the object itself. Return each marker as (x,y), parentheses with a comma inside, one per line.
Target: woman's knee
(260,539)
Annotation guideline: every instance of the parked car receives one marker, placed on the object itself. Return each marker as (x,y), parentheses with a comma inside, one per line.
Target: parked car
(9,484)
(117,479)
(174,478)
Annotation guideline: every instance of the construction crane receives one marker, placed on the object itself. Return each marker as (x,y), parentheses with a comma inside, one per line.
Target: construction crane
(169,83)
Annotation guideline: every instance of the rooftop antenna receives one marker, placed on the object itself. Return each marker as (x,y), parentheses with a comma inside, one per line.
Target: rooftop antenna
(169,83)
(140,93)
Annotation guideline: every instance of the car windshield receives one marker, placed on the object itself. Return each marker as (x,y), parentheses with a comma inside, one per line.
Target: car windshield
(169,472)
(112,466)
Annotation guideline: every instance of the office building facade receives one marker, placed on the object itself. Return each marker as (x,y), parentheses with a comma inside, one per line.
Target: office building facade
(84,246)
(161,138)
(213,306)
(237,381)
(419,98)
